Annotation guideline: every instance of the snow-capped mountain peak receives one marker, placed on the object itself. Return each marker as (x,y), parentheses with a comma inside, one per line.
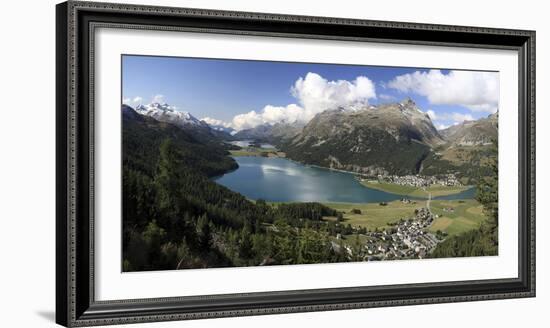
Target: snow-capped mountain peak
(167,113)
(159,106)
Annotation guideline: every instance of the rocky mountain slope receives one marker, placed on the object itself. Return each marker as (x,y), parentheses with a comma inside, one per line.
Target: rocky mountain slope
(469,151)
(473,133)
(390,138)
(283,132)
(260,133)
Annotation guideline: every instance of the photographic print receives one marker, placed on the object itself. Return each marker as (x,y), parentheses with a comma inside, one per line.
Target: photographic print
(347,163)
(233,163)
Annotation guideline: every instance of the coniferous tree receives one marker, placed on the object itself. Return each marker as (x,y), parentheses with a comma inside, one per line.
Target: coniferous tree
(168,177)
(245,244)
(204,234)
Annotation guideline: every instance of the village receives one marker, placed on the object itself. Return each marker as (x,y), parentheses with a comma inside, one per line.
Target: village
(419,181)
(407,238)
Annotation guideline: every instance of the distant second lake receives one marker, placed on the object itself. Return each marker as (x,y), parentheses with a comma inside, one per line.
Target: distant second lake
(248,143)
(282,180)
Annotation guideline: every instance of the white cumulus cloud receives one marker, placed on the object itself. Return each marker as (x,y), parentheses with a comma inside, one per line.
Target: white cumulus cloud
(317,94)
(314,94)
(459,118)
(215,122)
(132,101)
(444,120)
(455,117)
(247,120)
(158,99)
(477,91)
(270,115)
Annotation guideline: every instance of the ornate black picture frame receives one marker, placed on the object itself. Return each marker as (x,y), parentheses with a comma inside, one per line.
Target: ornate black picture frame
(75,301)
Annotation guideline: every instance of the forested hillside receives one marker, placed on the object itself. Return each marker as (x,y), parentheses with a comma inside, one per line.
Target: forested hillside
(175,217)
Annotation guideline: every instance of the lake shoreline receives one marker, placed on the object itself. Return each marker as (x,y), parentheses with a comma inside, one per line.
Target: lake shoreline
(409,191)
(413,194)
(284,180)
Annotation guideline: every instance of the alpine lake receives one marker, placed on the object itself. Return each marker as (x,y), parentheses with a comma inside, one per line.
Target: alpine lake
(276,179)
(265,174)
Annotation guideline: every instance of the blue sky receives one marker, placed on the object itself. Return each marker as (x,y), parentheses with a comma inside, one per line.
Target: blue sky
(238,91)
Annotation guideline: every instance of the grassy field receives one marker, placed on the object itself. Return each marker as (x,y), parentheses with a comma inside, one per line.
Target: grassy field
(435,190)
(465,214)
(374,215)
(467,154)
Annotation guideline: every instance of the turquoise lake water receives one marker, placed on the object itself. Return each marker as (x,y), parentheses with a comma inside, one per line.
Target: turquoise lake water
(282,180)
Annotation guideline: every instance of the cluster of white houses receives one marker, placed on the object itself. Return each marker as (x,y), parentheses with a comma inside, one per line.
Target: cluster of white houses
(406,239)
(420,181)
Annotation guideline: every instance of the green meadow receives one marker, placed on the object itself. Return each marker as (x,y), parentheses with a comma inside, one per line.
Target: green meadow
(454,216)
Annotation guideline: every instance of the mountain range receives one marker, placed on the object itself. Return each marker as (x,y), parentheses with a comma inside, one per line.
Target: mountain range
(143,135)
(469,149)
(395,138)
(168,114)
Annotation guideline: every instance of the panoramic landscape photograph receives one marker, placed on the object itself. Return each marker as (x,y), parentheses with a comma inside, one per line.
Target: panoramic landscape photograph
(236,163)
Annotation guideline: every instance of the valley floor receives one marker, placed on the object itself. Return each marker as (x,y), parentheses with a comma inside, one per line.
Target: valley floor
(404,229)
(453,216)
(407,228)
(401,229)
